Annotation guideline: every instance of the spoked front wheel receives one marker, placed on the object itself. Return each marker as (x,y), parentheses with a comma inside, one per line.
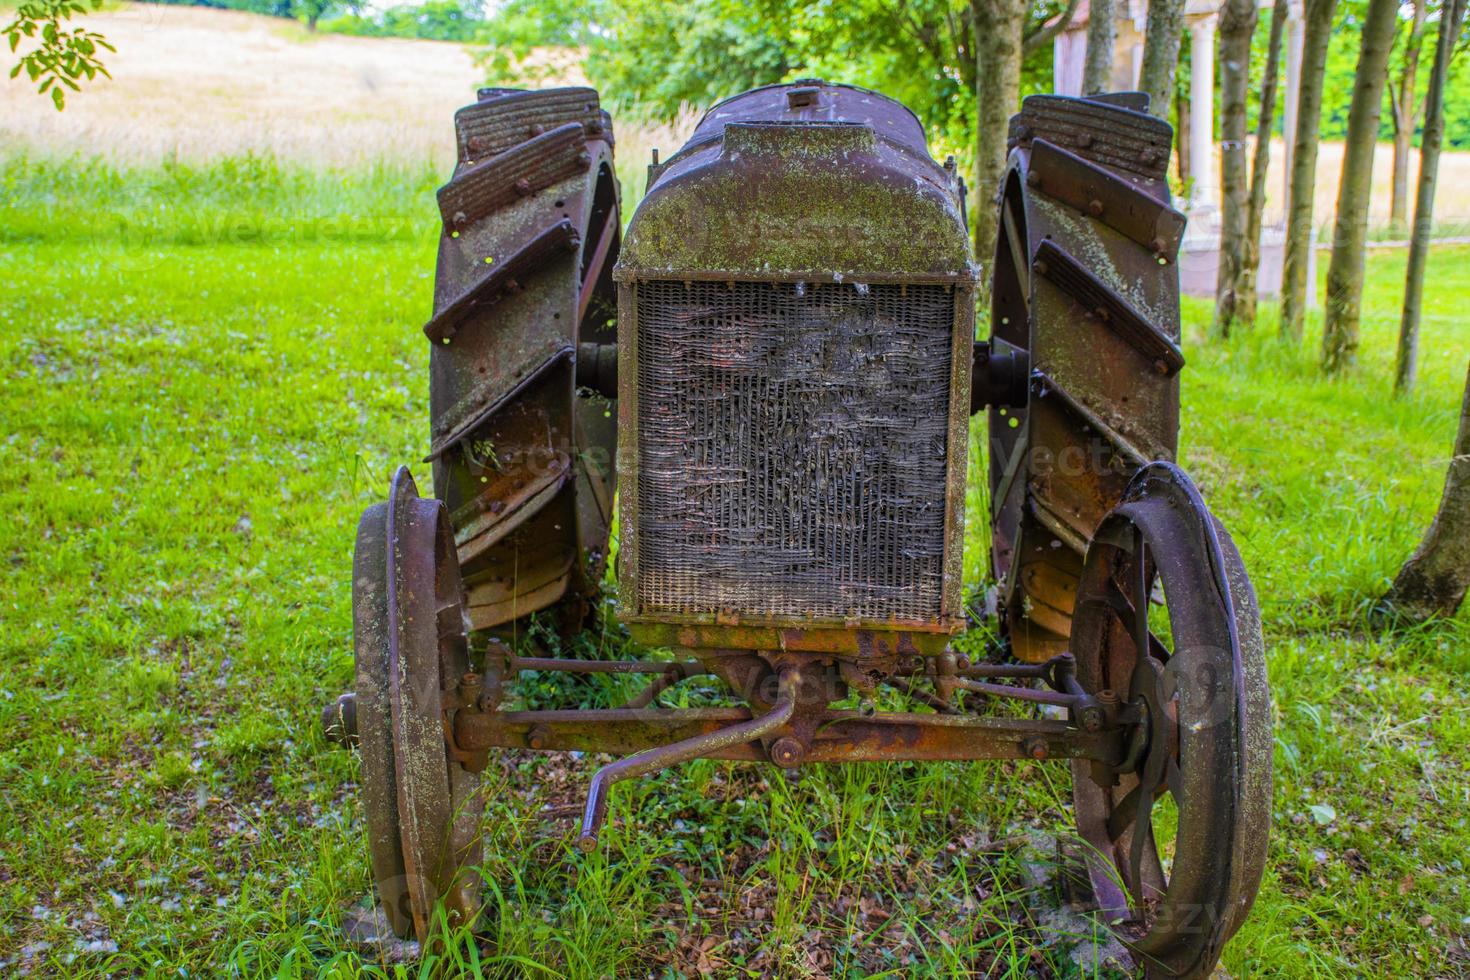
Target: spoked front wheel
(1176,834)
(423,808)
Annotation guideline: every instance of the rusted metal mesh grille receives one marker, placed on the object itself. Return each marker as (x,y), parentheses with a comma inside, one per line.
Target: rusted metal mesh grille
(791,449)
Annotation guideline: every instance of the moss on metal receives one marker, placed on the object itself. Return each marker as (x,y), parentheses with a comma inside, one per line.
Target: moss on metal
(827,200)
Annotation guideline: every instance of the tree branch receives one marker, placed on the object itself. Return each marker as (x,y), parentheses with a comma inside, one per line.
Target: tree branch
(1044,34)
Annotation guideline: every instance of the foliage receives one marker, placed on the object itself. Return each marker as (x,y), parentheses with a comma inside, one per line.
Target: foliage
(436,20)
(210,371)
(64,56)
(919,52)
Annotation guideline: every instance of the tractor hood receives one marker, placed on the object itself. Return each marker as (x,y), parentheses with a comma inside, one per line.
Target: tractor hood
(802,182)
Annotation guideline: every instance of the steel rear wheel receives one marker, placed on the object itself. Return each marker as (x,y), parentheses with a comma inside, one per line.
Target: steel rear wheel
(423,809)
(1085,294)
(523,367)
(1176,835)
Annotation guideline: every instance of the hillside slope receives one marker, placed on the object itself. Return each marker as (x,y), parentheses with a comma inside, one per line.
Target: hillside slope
(200,82)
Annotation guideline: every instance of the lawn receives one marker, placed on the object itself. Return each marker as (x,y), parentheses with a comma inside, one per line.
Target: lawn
(209,371)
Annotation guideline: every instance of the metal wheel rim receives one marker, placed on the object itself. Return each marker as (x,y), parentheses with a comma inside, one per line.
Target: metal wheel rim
(423,809)
(1215,679)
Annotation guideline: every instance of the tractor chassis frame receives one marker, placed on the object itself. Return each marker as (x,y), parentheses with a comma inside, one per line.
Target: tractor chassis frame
(1095,728)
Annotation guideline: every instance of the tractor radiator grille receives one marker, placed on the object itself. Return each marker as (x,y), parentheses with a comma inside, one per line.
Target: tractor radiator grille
(791,449)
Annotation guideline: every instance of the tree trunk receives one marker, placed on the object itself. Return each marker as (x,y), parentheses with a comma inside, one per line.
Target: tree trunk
(998,29)
(1250,256)
(1097,69)
(1450,17)
(1317,35)
(1161,53)
(1237,25)
(1403,101)
(1345,274)
(1434,580)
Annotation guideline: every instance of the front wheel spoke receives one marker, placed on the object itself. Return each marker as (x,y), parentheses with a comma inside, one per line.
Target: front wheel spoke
(1142,834)
(1174,782)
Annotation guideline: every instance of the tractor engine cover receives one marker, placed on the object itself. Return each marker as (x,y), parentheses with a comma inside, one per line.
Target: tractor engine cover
(795,326)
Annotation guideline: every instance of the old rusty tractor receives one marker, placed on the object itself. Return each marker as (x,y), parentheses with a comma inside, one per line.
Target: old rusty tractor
(776,363)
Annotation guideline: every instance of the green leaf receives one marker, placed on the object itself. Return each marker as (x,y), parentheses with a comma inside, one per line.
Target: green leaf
(58,97)
(1323,813)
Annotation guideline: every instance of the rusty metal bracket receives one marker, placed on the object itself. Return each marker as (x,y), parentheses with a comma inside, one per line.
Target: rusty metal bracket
(1113,200)
(519,172)
(1108,305)
(505,276)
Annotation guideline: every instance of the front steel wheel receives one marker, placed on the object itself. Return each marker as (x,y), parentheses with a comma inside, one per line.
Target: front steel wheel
(1176,835)
(423,808)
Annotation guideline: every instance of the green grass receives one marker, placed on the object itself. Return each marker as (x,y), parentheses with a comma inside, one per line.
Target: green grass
(208,373)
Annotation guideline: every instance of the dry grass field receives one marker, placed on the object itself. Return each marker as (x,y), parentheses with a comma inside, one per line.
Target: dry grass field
(198,83)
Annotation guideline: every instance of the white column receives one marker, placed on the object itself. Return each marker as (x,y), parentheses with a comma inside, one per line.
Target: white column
(1069,51)
(1202,109)
(1296,28)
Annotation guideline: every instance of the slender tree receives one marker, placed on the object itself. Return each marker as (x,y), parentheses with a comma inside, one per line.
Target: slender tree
(1345,273)
(1001,42)
(1250,262)
(1434,580)
(1161,53)
(1452,14)
(1237,26)
(1097,68)
(1316,36)
(1404,104)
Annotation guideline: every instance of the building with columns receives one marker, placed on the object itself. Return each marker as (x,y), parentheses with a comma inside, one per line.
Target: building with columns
(1200,252)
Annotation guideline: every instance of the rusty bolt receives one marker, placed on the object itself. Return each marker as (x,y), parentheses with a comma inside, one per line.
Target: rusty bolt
(787,752)
(1148,154)
(1159,245)
(1160,367)
(1096,207)
(536,738)
(477,144)
(537,129)
(1041,268)
(593,126)
(962,662)
(523,187)
(496,506)
(1034,747)
(1033,179)
(1084,140)
(584,158)
(1091,718)
(458,219)
(1022,132)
